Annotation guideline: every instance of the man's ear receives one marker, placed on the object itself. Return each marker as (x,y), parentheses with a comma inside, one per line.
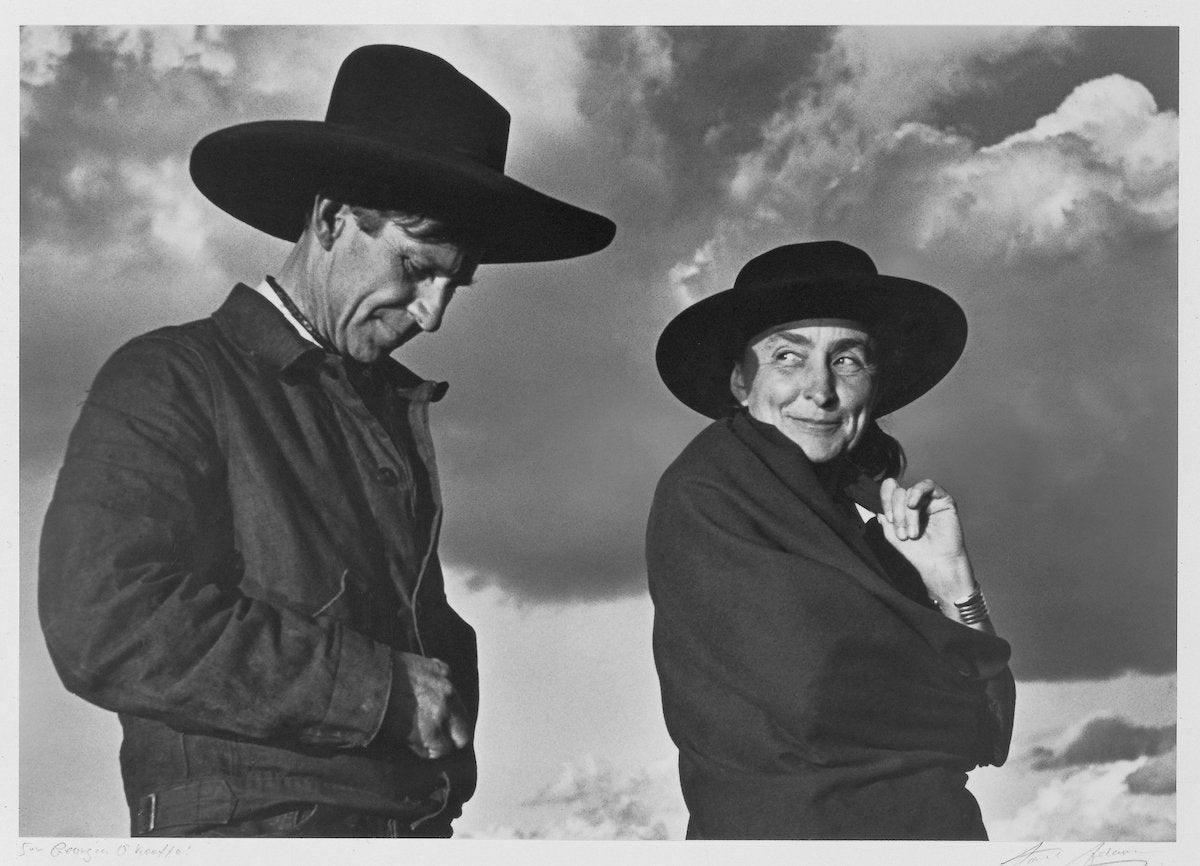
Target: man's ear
(326,221)
(738,384)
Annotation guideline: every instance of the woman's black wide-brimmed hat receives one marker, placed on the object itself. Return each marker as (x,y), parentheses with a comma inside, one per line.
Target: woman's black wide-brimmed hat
(404,130)
(920,329)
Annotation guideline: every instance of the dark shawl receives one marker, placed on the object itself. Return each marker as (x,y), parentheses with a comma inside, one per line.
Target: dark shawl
(811,688)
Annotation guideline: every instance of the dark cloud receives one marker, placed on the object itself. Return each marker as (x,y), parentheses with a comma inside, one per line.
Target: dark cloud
(1104,739)
(691,101)
(549,459)
(725,83)
(1156,776)
(1057,433)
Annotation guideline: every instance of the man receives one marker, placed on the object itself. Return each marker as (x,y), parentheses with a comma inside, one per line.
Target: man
(241,554)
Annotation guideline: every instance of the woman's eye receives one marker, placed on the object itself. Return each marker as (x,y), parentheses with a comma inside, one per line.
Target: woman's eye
(848,362)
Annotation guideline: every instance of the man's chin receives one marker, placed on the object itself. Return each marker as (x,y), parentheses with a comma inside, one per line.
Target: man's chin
(372,351)
(403,338)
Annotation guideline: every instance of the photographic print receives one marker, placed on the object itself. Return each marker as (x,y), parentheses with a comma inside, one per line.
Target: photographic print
(1030,173)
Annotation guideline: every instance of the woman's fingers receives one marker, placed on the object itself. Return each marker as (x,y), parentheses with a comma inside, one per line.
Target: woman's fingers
(895,506)
(917,500)
(886,489)
(907,508)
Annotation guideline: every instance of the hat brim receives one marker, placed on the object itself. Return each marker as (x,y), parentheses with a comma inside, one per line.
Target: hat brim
(266,174)
(924,328)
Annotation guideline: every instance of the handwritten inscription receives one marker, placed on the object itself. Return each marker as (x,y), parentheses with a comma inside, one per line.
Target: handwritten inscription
(87,853)
(1105,854)
(1102,854)
(1039,853)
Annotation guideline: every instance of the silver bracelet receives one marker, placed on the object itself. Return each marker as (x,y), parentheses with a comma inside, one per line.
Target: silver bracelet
(974,609)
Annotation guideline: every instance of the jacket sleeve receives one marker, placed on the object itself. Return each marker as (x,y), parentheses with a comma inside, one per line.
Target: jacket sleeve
(138,579)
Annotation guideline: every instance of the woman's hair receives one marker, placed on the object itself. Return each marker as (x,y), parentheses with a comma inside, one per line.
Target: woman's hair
(878,455)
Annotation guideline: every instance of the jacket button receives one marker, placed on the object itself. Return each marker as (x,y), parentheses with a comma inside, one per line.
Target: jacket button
(386,476)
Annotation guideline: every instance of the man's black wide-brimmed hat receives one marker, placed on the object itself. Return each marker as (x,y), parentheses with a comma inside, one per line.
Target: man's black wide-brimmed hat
(404,130)
(922,331)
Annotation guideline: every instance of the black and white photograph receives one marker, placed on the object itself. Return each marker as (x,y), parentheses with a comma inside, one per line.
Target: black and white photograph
(578,432)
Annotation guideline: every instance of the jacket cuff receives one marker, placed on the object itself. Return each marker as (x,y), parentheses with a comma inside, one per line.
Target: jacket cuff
(360,691)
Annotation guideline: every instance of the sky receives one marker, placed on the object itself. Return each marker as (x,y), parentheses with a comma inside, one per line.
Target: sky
(1031,173)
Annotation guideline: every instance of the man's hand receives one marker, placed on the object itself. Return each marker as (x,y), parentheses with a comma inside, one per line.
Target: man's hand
(423,708)
(922,523)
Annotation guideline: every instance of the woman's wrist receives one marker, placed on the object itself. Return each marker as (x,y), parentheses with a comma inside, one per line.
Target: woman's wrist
(970,609)
(951,582)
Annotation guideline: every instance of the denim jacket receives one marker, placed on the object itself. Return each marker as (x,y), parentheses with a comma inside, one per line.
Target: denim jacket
(235,547)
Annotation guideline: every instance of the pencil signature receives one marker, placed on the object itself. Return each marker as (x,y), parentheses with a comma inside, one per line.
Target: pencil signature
(1101,854)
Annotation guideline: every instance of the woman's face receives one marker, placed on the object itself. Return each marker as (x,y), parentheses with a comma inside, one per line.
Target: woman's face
(814,379)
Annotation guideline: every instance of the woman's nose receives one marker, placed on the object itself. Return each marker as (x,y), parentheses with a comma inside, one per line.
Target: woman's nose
(819,387)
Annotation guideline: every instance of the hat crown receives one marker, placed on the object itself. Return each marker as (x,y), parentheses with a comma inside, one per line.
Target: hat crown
(411,97)
(804,262)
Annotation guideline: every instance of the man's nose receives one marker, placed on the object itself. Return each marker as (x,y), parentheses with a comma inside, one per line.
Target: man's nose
(429,306)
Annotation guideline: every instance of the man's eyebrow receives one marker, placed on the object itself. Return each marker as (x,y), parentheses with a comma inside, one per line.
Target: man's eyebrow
(463,275)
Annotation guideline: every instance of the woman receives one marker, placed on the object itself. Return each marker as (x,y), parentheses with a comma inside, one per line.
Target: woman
(823,676)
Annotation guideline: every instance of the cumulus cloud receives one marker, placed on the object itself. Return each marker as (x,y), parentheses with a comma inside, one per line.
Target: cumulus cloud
(683,272)
(1103,739)
(1101,166)
(817,155)
(44,51)
(592,800)
(109,129)
(1093,803)
(1105,164)
(1108,779)
(161,48)
(41,48)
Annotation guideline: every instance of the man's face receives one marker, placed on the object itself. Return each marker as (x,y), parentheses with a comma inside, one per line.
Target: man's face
(814,379)
(379,291)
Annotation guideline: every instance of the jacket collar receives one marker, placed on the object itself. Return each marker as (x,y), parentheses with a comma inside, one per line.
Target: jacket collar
(260,331)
